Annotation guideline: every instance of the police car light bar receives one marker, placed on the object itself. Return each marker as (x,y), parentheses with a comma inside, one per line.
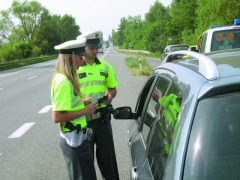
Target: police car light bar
(236,22)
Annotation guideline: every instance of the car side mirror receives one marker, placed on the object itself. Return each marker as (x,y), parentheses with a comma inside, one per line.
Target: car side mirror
(123,113)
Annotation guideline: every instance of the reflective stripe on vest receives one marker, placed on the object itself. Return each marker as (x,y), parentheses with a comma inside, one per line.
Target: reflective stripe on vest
(95,83)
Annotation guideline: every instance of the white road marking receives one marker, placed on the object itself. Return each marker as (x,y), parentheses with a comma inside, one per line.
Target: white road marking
(45,109)
(52,70)
(1,88)
(105,54)
(32,77)
(20,131)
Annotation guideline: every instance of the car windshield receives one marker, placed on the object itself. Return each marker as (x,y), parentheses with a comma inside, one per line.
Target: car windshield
(227,39)
(178,48)
(214,146)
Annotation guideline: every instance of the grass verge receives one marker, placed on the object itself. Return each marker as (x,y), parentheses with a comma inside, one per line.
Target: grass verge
(138,69)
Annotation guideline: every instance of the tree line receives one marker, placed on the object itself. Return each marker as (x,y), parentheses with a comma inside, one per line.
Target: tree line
(29,30)
(179,23)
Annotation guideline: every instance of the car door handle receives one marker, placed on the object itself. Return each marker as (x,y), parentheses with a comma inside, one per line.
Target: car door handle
(130,142)
(134,173)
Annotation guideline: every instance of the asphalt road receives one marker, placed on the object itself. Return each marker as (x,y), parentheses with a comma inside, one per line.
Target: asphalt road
(29,139)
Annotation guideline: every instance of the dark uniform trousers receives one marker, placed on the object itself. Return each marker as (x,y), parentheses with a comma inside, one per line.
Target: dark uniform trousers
(105,151)
(79,160)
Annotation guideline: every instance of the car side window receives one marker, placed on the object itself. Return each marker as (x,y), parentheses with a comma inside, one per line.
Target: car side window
(167,108)
(151,113)
(143,98)
(166,50)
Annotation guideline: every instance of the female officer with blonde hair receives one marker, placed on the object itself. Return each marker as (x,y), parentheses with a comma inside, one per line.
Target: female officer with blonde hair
(69,111)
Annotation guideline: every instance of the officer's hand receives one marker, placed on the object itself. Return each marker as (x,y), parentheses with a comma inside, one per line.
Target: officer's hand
(109,100)
(87,100)
(91,108)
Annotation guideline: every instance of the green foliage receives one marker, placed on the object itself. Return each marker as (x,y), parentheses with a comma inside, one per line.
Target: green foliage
(71,28)
(216,12)
(32,30)
(8,53)
(133,65)
(45,40)
(183,21)
(145,35)
(28,14)
(25,49)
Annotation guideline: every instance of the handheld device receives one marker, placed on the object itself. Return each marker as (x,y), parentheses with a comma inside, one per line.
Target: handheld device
(102,99)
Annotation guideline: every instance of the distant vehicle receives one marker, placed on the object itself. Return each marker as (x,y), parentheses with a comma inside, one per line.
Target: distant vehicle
(220,38)
(106,44)
(172,48)
(100,50)
(193,48)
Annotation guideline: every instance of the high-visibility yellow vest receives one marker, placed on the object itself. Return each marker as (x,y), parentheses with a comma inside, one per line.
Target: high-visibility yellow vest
(96,79)
(64,99)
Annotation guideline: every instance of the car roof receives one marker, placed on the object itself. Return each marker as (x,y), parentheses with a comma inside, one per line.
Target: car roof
(227,62)
(219,64)
(221,28)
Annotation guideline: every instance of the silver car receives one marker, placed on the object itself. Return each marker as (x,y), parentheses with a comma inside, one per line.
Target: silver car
(186,123)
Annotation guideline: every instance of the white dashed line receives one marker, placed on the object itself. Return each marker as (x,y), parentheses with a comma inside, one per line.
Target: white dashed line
(1,89)
(45,109)
(52,70)
(32,77)
(20,131)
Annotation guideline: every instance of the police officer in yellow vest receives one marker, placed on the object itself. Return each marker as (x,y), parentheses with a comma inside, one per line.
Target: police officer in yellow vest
(97,78)
(70,112)
(170,109)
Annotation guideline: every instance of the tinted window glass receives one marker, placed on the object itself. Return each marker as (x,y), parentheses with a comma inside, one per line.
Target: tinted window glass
(143,98)
(228,39)
(214,146)
(178,48)
(151,114)
(167,109)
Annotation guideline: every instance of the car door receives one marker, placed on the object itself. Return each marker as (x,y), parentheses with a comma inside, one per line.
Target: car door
(146,110)
(137,150)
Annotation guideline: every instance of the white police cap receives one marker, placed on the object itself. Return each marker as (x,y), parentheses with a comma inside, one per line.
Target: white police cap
(73,46)
(93,39)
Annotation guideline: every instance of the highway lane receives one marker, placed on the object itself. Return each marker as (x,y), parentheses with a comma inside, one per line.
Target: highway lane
(153,62)
(25,104)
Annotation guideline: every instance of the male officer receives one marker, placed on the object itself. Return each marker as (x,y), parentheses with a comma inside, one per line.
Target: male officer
(97,78)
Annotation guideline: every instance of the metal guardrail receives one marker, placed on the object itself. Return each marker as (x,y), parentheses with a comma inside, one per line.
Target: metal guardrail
(24,60)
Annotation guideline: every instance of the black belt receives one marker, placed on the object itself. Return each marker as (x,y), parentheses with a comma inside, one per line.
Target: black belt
(71,127)
(99,113)
(91,117)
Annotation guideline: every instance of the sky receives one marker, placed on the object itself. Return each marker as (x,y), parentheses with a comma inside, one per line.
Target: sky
(94,15)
